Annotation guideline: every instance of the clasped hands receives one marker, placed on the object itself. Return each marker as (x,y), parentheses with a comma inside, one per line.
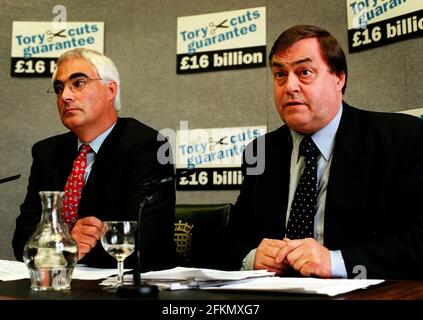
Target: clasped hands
(306,256)
(86,232)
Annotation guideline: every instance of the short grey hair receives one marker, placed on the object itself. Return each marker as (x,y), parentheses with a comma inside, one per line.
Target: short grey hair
(105,67)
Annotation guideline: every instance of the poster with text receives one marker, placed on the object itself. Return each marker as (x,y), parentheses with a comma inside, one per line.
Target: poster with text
(374,23)
(37,45)
(221,41)
(210,159)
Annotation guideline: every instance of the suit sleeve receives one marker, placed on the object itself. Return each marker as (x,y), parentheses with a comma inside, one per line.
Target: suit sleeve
(30,210)
(241,235)
(397,252)
(157,222)
(140,165)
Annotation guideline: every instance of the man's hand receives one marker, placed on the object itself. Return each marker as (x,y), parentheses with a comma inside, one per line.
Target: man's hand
(266,253)
(86,232)
(306,256)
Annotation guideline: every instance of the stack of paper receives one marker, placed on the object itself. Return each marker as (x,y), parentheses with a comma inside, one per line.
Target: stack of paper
(192,278)
(15,270)
(257,280)
(330,287)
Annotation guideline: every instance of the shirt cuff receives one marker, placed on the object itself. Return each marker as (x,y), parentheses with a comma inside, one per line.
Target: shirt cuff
(337,265)
(248,262)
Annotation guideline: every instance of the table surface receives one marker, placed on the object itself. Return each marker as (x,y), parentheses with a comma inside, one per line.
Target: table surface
(91,290)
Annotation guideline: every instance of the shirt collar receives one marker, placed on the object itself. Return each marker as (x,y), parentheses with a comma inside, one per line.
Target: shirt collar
(323,138)
(97,142)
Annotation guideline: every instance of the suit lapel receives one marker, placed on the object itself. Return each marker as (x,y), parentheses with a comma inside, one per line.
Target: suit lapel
(107,151)
(63,159)
(345,184)
(91,194)
(279,153)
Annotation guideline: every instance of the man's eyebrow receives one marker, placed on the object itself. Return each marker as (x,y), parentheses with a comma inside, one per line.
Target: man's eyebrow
(300,61)
(304,60)
(73,76)
(277,64)
(77,75)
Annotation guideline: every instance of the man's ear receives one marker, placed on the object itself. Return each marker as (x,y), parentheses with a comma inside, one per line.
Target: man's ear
(111,92)
(340,82)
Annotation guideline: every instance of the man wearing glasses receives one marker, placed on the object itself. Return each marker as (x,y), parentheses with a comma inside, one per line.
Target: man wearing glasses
(120,157)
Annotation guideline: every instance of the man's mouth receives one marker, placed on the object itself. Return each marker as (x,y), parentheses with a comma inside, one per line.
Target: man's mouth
(70,110)
(293,103)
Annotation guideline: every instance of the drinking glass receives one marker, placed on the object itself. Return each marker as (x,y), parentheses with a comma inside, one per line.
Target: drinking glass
(118,239)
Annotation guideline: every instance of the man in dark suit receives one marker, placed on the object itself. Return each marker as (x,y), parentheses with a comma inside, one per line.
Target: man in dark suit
(367,210)
(123,157)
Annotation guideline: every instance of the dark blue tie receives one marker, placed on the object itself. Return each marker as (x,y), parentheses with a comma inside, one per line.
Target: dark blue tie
(303,208)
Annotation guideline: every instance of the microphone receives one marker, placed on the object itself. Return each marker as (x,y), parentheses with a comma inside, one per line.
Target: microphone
(137,289)
(157,182)
(11,178)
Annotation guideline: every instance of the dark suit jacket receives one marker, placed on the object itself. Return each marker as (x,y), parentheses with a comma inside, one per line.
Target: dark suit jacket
(374,203)
(125,161)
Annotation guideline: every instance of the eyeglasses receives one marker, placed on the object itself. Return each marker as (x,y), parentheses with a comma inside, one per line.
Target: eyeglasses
(76,85)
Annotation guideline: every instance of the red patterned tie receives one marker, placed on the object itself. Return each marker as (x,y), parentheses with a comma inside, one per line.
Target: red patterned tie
(74,186)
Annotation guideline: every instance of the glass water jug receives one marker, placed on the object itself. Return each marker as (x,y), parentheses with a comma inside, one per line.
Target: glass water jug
(50,253)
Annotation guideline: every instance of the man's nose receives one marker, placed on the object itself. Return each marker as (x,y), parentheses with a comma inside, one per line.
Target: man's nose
(67,93)
(292,83)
